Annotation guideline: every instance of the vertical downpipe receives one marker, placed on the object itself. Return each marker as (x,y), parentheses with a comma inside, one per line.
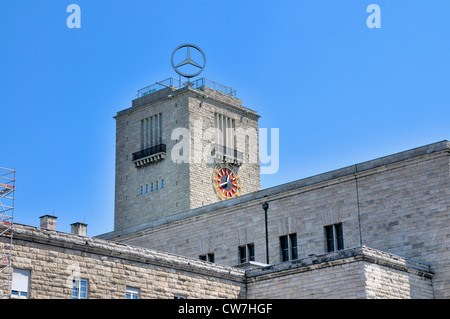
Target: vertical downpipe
(265,206)
(359,209)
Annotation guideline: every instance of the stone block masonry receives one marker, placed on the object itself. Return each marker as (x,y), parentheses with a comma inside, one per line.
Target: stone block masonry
(187,184)
(56,259)
(356,273)
(399,204)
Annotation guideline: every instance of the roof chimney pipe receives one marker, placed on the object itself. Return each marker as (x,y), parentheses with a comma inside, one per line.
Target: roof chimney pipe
(79,229)
(48,222)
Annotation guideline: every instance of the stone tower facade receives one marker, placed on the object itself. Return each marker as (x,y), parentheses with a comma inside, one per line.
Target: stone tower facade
(168,146)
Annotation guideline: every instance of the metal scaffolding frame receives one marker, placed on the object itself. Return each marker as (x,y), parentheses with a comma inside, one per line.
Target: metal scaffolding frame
(7,193)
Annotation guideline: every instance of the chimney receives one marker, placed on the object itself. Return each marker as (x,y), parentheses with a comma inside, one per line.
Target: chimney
(48,222)
(79,229)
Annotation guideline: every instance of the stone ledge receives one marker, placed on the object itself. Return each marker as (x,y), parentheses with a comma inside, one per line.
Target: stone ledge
(171,92)
(356,254)
(150,159)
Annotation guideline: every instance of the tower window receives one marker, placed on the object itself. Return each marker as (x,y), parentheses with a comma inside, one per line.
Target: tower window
(225,130)
(151,131)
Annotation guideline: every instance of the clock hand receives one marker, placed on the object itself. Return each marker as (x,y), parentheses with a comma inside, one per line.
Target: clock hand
(224,183)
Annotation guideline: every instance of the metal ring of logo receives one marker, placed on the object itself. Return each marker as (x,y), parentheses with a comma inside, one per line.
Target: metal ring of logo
(188,60)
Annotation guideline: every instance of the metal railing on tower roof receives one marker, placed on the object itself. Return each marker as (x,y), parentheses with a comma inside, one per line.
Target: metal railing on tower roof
(178,84)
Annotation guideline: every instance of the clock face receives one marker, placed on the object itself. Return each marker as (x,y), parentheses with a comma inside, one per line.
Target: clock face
(226,181)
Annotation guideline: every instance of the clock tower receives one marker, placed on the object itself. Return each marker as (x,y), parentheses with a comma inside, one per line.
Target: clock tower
(181,146)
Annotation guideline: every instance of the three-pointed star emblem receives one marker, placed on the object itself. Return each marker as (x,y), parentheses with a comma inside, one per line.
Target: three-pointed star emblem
(188,60)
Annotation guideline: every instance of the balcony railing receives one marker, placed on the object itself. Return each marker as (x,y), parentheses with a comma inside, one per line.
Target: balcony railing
(161,148)
(228,154)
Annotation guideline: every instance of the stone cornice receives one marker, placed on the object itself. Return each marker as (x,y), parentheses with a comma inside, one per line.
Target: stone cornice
(350,255)
(170,93)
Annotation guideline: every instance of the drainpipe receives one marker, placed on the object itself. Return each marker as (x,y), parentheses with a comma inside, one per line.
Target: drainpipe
(265,206)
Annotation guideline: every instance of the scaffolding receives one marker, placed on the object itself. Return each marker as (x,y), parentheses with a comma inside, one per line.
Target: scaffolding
(7,192)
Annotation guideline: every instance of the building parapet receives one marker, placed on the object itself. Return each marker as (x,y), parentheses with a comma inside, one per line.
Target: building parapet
(167,89)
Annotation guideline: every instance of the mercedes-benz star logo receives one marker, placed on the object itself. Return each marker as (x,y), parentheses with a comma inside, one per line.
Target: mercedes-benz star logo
(188,61)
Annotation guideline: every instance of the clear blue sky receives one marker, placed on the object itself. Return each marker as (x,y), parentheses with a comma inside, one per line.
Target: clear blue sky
(339,92)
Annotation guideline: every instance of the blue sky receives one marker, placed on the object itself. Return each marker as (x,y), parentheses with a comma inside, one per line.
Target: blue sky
(339,92)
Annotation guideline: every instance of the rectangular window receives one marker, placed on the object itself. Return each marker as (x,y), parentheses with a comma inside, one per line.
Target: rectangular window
(141,190)
(293,242)
(251,252)
(151,187)
(132,293)
(288,245)
(339,236)
(207,257)
(80,288)
(156,185)
(246,253)
(334,237)
(146,188)
(284,248)
(20,283)
(329,238)
(151,131)
(162,183)
(225,131)
(179,297)
(242,254)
